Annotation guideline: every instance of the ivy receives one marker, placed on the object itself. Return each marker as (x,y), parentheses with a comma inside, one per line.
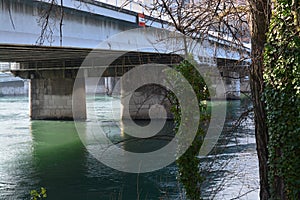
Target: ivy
(36,195)
(188,164)
(282,98)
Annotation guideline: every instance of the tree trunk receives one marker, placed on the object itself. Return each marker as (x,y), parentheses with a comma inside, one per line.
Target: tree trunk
(260,11)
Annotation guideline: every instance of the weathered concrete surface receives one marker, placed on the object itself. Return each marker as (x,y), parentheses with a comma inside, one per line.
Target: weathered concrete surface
(147,102)
(232,84)
(52,99)
(235,77)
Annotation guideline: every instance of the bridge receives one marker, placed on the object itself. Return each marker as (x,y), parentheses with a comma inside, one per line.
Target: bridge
(50,56)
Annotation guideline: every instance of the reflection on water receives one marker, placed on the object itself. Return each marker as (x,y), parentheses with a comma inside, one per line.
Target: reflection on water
(50,154)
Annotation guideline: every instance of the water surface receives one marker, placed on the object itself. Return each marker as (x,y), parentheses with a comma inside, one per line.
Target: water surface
(50,154)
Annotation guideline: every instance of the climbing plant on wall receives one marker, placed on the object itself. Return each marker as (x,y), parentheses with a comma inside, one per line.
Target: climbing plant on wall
(282,97)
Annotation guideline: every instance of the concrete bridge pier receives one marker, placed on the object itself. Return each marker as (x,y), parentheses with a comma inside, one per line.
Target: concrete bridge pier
(147,102)
(52,93)
(232,73)
(110,84)
(232,84)
(51,99)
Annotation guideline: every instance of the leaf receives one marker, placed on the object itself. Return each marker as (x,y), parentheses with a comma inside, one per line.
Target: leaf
(43,191)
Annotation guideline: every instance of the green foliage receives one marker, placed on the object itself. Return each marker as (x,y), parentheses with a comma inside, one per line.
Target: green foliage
(282,97)
(37,195)
(188,163)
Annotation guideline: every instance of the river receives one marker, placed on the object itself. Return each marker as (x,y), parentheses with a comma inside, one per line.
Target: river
(50,154)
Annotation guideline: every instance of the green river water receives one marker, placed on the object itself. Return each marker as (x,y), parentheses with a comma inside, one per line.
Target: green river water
(50,154)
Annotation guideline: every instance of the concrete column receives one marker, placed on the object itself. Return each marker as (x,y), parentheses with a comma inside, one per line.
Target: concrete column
(232,85)
(147,102)
(110,85)
(79,106)
(51,99)
(234,88)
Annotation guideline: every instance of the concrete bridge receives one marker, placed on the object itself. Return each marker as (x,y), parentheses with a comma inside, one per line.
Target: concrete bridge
(51,62)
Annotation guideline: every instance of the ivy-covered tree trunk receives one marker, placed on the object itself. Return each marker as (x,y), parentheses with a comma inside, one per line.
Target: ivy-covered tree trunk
(282,94)
(259,26)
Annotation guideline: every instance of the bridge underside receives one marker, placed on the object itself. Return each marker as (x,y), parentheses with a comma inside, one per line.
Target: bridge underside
(37,61)
(53,70)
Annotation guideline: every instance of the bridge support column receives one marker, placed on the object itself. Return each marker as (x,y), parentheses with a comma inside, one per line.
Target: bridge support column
(110,84)
(147,102)
(51,99)
(232,85)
